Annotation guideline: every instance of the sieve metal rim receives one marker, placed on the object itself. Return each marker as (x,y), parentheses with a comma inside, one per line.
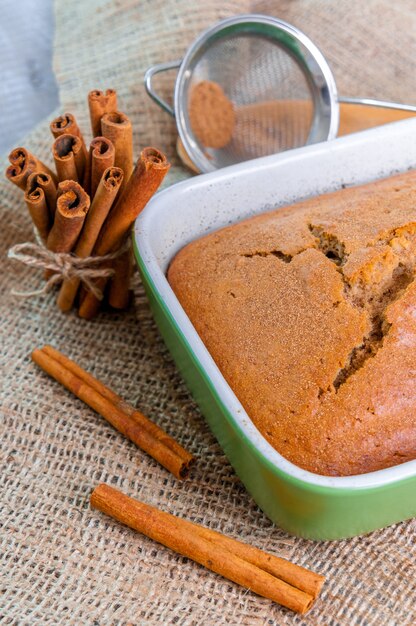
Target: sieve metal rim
(319,73)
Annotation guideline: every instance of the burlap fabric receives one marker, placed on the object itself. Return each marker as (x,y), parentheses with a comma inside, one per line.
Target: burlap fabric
(61,562)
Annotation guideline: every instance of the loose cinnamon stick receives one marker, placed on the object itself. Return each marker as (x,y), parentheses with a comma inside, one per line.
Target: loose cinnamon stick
(295,575)
(66,124)
(144,422)
(117,401)
(103,200)
(100,103)
(23,164)
(187,539)
(119,293)
(135,426)
(151,168)
(101,157)
(117,128)
(71,209)
(69,157)
(36,202)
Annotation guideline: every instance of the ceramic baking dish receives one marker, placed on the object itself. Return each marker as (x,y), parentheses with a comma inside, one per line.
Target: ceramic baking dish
(303,503)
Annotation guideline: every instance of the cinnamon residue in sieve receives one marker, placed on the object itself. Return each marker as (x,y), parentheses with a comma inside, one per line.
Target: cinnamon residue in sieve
(211,114)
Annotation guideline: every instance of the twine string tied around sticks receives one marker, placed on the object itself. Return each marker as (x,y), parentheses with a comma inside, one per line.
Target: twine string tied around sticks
(64,266)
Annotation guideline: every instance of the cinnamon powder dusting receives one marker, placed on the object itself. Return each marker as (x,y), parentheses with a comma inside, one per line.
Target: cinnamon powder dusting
(211,114)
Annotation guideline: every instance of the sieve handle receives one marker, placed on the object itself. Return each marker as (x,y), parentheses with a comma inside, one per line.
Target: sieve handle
(148,77)
(379,103)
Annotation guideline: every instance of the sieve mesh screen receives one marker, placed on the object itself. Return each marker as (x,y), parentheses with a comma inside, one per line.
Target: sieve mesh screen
(271,96)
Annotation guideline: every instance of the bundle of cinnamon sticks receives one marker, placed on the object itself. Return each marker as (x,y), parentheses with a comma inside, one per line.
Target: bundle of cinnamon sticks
(86,208)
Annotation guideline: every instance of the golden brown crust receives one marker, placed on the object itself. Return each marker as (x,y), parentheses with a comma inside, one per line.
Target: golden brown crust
(310,313)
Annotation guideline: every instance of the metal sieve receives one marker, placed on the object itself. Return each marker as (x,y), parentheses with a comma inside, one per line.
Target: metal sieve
(282,90)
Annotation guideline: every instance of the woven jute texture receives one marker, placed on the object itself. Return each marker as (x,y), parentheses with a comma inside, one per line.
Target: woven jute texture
(61,562)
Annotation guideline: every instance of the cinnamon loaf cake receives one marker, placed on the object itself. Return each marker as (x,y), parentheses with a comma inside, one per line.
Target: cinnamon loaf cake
(310,313)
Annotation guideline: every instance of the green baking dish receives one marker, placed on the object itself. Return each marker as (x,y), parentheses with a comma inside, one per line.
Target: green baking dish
(303,503)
